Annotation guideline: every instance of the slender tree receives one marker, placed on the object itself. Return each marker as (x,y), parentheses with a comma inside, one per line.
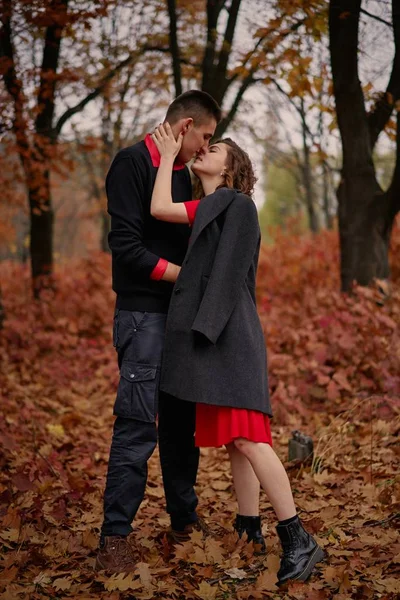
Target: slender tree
(366,211)
(227,68)
(36,128)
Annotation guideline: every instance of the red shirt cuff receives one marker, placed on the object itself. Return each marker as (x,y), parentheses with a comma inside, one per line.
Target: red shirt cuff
(159,269)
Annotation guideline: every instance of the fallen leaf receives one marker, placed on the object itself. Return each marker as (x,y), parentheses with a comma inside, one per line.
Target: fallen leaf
(90,540)
(273,563)
(57,430)
(236,573)
(206,591)
(62,583)
(220,486)
(143,570)
(22,482)
(8,575)
(266,582)
(11,535)
(214,551)
(122,582)
(42,579)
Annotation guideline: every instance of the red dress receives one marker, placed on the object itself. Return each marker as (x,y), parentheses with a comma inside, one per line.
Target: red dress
(219,425)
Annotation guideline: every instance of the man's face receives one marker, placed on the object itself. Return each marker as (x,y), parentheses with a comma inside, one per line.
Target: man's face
(196,138)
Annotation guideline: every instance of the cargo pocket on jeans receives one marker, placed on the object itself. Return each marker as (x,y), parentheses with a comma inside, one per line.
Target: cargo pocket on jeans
(137,392)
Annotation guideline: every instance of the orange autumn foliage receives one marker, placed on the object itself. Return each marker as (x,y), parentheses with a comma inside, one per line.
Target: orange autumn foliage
(325,346)
(321,343)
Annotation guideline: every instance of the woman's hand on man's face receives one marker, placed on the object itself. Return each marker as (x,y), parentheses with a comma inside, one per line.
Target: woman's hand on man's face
(165,141)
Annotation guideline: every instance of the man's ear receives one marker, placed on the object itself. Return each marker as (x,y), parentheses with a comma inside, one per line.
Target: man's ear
(187,125)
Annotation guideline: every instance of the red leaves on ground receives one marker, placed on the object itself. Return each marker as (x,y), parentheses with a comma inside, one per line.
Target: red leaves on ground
(334,364)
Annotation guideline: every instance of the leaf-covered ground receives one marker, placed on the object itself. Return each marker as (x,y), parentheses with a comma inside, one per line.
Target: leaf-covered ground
(334,364)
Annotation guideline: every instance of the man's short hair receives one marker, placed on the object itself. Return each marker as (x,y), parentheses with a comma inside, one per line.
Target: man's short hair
(196,104)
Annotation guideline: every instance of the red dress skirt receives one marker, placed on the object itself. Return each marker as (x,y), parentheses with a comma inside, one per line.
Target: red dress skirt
(219,425)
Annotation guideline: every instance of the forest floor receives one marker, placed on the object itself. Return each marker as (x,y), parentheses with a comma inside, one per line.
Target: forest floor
(334,365)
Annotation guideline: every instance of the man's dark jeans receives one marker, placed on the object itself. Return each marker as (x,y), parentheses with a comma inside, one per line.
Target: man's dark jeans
(139,339)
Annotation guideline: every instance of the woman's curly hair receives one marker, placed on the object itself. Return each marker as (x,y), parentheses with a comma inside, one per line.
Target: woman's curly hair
(239,172)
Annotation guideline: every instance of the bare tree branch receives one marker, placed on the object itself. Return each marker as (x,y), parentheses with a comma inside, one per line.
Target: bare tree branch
(383,109)
(297,108)
(301,113)
(51,54)
(73,110)
(376,17)
(262,40)
(167,50)
(228,38)
(226,121)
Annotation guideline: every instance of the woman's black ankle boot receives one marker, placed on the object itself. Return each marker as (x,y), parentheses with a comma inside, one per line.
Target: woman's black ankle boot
(251,526)
(300,552)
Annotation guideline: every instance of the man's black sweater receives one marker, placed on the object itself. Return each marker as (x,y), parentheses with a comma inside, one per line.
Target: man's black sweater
(137,240)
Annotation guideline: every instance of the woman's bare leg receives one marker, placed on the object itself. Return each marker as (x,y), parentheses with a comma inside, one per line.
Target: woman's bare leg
(245,481)
(300,551)
(271,474)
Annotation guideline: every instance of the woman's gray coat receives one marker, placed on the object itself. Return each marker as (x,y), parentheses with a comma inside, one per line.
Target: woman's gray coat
(214,345)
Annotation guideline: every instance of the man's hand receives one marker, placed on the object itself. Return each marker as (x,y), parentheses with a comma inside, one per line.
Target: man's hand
(165,141)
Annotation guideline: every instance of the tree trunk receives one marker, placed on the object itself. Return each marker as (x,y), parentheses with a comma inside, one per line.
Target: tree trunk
(36,157)
(215,78)
(306,172)
(326,205)
(173,41)
(41,232)
(363,245)
(309,196)
(366,212)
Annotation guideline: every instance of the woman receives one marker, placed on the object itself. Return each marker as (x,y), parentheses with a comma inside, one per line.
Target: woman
(214,351)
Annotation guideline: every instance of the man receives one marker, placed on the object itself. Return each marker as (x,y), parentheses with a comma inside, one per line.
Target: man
(146,259)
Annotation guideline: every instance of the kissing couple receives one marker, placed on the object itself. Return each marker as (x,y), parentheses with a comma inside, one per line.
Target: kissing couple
(190,346)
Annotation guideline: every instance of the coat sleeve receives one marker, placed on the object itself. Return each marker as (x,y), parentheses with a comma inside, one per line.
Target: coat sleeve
(125,192)
(233,259)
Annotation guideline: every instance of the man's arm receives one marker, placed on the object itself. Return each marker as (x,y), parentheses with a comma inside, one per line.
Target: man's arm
(125,192)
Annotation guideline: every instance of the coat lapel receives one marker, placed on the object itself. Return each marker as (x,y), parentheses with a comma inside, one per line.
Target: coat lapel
(209,208)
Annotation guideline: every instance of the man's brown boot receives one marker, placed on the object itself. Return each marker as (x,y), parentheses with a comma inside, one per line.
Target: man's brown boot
(116,555)
(178,537)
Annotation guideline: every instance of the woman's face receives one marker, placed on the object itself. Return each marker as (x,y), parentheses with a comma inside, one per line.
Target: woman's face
(212,162)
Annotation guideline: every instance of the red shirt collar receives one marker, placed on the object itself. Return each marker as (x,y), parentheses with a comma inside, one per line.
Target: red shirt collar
(155,155)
